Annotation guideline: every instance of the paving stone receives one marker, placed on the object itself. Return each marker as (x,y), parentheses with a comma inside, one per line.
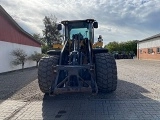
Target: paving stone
(39,110)
(9,107)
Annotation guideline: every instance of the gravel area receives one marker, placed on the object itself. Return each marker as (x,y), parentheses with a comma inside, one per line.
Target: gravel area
(138,79)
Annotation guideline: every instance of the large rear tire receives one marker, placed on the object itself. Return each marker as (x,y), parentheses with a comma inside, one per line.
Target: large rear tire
(106,72)
(46,74)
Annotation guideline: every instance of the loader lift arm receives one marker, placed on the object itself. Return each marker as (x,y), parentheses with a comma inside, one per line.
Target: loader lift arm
(73,69)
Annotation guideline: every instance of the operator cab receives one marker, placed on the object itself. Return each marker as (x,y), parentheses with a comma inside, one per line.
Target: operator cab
(83,28)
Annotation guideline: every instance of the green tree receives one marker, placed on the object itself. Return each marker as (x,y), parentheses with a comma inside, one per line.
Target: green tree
(128,46)
(133,46)
(36,57)
(50,33)
(20,57)
(39,38)
(112,46)
(121,47)
(45,48)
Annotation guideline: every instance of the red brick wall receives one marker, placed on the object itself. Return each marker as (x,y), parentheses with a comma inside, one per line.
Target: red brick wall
(9,33)
(146,55)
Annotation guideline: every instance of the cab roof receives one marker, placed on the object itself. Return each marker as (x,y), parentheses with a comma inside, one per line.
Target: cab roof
(74,21)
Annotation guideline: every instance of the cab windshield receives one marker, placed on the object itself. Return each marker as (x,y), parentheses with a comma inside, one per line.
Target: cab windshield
(81,28)
(84,32)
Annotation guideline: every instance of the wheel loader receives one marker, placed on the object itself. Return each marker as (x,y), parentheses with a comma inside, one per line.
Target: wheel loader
(81,65)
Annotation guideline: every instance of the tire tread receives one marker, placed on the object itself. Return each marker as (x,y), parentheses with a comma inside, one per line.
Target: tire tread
(45,72)
(106,72)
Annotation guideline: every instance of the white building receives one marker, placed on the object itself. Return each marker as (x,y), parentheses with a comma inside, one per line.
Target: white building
(149,48)
(12,37)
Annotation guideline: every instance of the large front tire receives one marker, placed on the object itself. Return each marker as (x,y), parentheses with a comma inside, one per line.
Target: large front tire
(106,72)
(46,74)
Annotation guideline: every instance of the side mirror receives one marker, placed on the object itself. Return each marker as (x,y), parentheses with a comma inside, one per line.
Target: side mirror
(95,24)
(59,27)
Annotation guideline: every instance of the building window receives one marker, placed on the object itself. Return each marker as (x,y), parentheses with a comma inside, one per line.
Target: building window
(141,51)
(150,50)
(158,50)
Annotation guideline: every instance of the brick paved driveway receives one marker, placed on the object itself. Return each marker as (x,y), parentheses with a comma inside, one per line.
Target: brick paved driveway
(137,98)
(81,110)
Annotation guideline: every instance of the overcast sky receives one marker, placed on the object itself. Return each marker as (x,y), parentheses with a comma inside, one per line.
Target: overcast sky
(119,20)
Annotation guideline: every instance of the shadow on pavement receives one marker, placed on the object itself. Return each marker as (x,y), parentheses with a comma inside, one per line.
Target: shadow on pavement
(126,102)
(12,82)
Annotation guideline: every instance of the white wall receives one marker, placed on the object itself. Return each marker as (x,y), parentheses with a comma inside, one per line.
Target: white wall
(155,42)
(5,55)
